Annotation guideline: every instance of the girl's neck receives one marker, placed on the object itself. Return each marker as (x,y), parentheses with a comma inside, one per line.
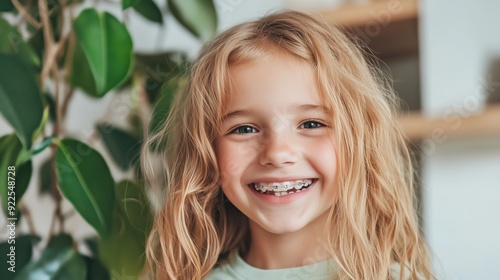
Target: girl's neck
(295,249)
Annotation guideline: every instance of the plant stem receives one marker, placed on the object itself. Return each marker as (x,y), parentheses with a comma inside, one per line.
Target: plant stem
(68,96)
(56,194)
(57,122)
(63,5)
(144,107)
(47,38)
(26,14)
(52,52)
(69,214)
(52,48)
(53,222)
(50,56)
(68,90)
(70,50)
(27,215)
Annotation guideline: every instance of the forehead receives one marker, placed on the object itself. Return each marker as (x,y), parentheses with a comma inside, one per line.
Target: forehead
(277,82)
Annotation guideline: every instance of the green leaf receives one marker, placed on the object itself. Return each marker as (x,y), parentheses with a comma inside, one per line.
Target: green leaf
(107,46)
(10,149)
(36,42)
(23,250)
(85,180)
(41,127)
(13,43)
(51,103)
(46,177)
(162,107)
(129,3)
(133,221)
(122,261)
(160,69)
(17,86)
(72,2)
(81,75)
(197,16)
(42,145)
(167,65)
(27,155)
(60,241)
(23,179)
(123,147)
(6,6)
(95,270)
(135,122)
(91,243)
(59,261)
(133,204)
(149,10)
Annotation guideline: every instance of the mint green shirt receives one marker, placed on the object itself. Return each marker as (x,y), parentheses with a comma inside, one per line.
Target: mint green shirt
(238,269)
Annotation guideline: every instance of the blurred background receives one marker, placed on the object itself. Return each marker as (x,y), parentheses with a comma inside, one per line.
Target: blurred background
(63,83)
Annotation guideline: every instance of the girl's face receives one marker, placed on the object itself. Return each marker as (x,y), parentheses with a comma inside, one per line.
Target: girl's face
(277,134)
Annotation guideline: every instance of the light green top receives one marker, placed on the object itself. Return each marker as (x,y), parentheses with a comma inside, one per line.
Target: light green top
(238,269)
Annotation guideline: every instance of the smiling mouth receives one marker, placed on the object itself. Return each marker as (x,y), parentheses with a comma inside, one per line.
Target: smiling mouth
(284,188)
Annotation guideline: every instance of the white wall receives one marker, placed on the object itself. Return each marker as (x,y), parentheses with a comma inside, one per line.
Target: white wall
(461,177)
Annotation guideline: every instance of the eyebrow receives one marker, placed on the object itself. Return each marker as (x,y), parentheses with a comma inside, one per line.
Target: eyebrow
(294,108)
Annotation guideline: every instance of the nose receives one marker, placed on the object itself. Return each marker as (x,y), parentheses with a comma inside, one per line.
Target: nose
(278,149)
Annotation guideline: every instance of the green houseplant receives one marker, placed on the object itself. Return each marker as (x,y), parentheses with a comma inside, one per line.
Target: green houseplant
(48,54)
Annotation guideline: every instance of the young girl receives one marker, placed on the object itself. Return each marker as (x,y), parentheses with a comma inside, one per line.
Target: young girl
(284,162)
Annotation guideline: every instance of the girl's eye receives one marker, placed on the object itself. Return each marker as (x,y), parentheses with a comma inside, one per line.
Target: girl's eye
(312,124)
(243,129)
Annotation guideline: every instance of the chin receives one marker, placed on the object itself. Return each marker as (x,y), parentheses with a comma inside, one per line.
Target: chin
(282,227)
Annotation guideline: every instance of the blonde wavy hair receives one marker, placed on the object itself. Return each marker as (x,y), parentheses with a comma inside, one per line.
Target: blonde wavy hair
(373,223)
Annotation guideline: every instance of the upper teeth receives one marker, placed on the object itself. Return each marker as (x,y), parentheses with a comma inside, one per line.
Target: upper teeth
(282,186)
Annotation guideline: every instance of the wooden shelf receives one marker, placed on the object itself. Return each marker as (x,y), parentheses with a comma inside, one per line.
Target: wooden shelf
(361,14)
(485,123)
(389,28)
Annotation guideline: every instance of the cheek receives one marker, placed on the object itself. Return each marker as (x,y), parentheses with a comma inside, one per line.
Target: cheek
(326,161)
(233,159)
(229,169)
